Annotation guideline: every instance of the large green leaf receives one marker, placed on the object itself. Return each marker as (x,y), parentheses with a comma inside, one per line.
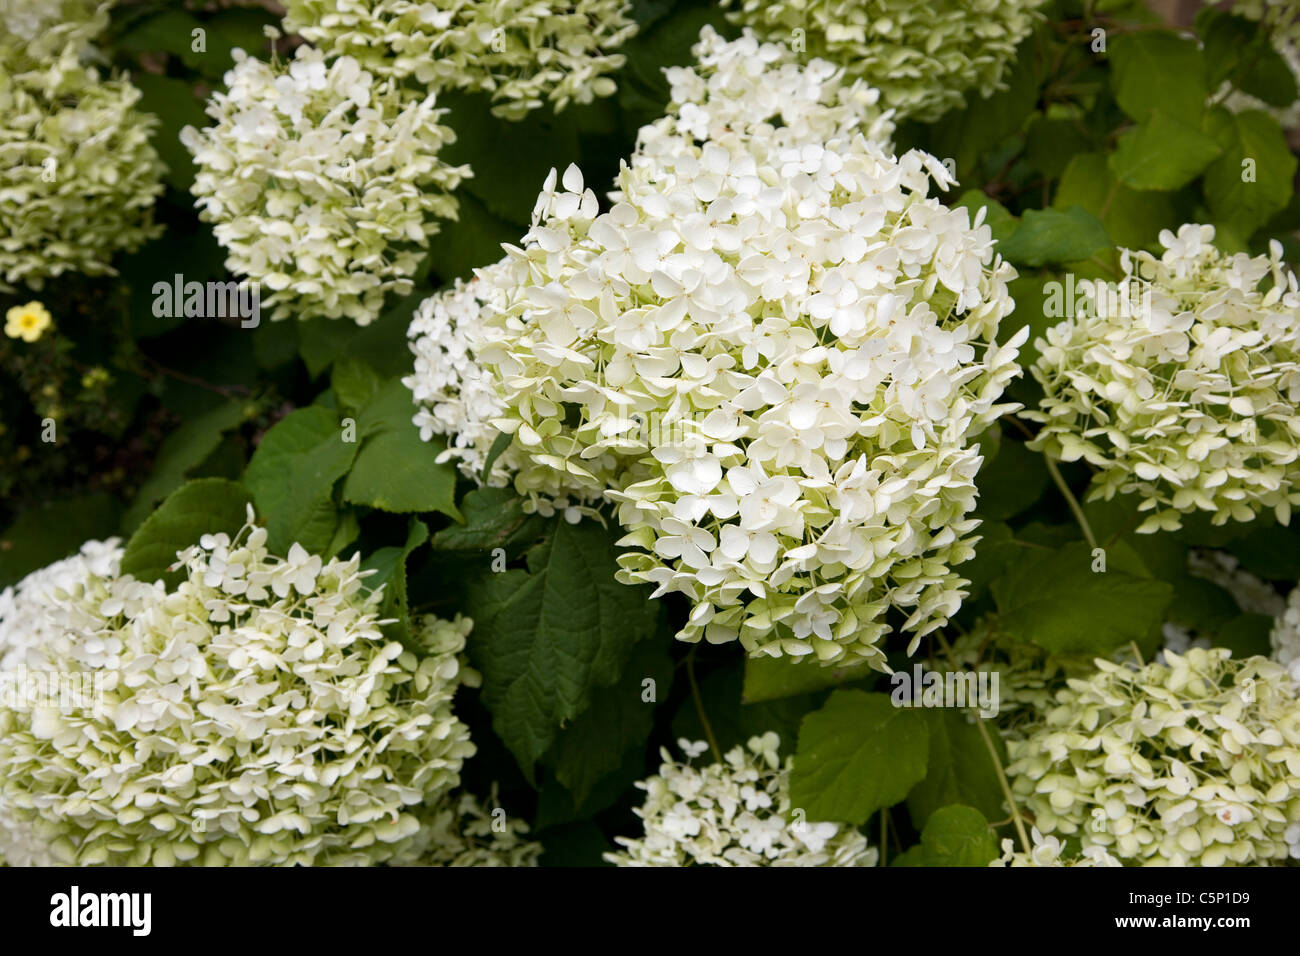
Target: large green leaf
(619,719)
(547,637)
(389,565)
(204,506)
(857,754)
(1162,153)
(958,836)
(1132,218)
(771,678)
(1055,235)
(1158,70)
(54,529)
(292,476)
(494,518)
(395,470)
(1254,178)
(960,768)
(1058,602)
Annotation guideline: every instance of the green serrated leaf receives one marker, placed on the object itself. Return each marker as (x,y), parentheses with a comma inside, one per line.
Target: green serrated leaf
(494,518)
(546,638)
(857,754)
(1132,218)
(389,565)
(204,506)
(960,769)
(771,678)
(394,470)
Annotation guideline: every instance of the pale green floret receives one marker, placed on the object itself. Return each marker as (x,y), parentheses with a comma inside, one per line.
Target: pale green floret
(521,52)
(923,55)
(253,714)
(1190,762)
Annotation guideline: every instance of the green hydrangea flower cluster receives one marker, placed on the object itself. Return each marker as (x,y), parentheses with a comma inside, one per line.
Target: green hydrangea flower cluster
(1191,762)
(923,55)
(253,714)
(1181,383)
(522,53)
(78,174)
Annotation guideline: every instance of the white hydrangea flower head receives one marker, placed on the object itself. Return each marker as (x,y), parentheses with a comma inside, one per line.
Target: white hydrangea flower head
(32,32)
(1191,762)
(78,173)
(1047,851)
(253,714)
(1181,385)
(923,55)
(322,182)
(733,813)
(773,354)
(467,833)
(521,52)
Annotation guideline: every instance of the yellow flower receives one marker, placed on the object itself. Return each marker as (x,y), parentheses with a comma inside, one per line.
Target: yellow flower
(27,322)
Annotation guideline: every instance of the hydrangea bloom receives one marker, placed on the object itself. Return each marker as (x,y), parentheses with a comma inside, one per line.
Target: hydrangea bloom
(1047,851)
(733,814)
(521,52)
(322,182)
(78,174)
(465,833)
(922,54)
(36,31)
(772,352)
(252,714)
(1183,390)
(1188,762)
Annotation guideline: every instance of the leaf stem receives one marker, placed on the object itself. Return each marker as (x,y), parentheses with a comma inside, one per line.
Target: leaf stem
(699,706)
(1072,501)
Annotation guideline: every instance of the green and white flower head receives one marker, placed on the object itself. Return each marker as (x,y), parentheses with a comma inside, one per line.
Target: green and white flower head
(78,173)
(322,182)
(923,55)
(1184,390)
(1047,851)
(32,32)
(523,53)
(1191,762)
(734,813)
(253,714)
(772,353)
(467,833)
(458,399)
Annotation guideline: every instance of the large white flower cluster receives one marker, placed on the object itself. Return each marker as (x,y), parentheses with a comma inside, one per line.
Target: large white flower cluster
(521,52)
(254,714)
(733,814)
(772,352)
(78,174)
(1190,762)
(1181,385)
(323,182)
(923,55)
